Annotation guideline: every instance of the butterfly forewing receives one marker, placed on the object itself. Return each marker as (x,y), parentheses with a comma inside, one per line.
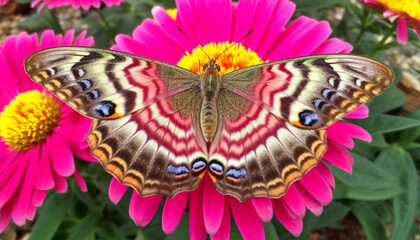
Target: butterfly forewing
(313,91)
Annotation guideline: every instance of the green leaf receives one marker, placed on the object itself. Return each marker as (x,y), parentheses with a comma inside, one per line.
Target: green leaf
(367,182)
(303,5)
(399,163)
(46,19)
(390,99)
(53,213)
(370,221)
(382,123)
(270,231)
(85,227)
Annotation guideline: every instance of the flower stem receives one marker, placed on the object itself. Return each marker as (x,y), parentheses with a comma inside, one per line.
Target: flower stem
(106,23)
(381,43)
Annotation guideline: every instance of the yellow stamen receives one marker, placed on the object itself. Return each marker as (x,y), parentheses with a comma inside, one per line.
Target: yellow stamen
(236,57)
(411,7)
(28,119)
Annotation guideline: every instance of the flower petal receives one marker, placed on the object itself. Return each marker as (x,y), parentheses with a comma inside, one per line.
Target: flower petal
(61,155)
(293,225)
(247,219)
(213,207)
(224,229)
(264,208)
(402,32)
(196,222)
(116,190)
(173,210)
(142,209)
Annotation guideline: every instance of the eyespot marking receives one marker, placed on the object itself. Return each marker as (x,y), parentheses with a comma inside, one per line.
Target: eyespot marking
(216,168)
(318,103)
(85,84)
(104,109)
(327,93)
(94,94)
(236,173)
(177,170)
(199,164)
(308,118)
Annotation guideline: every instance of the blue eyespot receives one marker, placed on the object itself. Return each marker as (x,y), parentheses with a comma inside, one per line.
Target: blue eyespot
(104,109)
(216,166)
(308,118)
(85,84)
(198,164)
(236,173)
(177,170)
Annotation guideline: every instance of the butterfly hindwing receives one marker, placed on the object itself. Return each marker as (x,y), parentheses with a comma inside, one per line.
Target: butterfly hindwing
(151,142)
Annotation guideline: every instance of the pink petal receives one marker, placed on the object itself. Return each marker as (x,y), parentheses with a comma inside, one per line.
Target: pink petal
(44,179)
(293,225)
(116,190)
(11,185)
(38,197)
(293,201)
(311,203)
(80,181)
(142,209)
(213,209)
(264,208)
(342,132)
(224,230)
(322,169)
(61,155)
(173,210)
(402,32)
(247,219)
(5,216)
(339,156)
(60,183)
(26,189)
(317,187)
(196,221)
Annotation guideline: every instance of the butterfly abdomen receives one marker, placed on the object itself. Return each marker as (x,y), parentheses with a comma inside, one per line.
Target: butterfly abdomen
(208,119)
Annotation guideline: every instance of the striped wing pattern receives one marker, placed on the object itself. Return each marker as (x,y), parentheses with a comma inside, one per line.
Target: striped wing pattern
(146,128)
(276,114)
(150,143)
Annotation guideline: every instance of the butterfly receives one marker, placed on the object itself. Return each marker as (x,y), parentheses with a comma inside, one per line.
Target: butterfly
(160,128)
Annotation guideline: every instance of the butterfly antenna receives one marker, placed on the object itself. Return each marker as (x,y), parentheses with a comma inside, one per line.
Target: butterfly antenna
(198,45)
(246,35)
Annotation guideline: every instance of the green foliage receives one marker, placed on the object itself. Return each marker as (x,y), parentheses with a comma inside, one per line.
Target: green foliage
(382,191)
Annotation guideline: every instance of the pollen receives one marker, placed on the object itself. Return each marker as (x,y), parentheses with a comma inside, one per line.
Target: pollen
(411,7)
(28,119)
(236,57)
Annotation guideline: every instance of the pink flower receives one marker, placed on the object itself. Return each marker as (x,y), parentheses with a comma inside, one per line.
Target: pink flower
(38,133)
(407,12)
(3,2)
(85,4)
(216,22)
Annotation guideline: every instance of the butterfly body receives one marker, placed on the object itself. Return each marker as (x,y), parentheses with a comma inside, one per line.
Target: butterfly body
(161,128)
(210,87)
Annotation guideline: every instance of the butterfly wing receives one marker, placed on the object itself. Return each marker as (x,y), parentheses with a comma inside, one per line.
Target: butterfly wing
(276,114)
(151,143)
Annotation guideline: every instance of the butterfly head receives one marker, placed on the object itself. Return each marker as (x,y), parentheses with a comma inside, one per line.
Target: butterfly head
(211,66)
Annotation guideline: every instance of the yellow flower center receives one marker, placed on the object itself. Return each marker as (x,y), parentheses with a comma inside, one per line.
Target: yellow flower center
(234,58)
(411,7)
(28,119)
(172,12)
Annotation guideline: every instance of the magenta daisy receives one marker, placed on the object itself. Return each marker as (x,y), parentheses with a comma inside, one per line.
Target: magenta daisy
(85,4)
(215,25)
(3,2)
(406,12)
(38,132)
